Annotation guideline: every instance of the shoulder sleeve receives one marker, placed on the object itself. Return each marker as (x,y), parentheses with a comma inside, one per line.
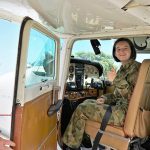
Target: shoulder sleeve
(132,78)
(124,85)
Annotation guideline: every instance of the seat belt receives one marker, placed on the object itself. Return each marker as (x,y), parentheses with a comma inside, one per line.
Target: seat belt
(102,127)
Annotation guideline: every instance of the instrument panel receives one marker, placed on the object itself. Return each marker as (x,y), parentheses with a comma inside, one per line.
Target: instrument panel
(83,74)
(89,72)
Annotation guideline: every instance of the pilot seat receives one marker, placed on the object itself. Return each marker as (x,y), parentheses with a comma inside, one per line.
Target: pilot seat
(137,121)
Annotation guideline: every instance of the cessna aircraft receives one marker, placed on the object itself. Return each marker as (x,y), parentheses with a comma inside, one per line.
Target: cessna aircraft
(54,55)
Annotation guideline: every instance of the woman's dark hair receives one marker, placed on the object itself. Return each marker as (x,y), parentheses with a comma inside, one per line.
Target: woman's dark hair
(133,51)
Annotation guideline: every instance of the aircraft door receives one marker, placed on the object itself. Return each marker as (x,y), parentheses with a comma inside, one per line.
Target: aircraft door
(36,99)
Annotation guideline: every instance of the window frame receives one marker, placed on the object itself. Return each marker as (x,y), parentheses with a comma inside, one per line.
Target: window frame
(25,94)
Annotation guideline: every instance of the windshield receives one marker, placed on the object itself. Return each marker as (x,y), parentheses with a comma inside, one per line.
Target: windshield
(82,49)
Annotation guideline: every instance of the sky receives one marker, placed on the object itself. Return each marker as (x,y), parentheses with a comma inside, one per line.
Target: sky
(9,35)
(106,46)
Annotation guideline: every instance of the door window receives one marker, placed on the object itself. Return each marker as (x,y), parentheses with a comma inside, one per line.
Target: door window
(41,58)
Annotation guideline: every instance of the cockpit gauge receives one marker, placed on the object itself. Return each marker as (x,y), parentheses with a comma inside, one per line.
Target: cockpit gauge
(71,77)
(71,69)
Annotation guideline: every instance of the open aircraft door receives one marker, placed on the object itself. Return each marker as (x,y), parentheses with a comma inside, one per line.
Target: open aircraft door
(34,123)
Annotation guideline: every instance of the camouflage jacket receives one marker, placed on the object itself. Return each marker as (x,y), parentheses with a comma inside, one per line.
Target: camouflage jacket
(123,85)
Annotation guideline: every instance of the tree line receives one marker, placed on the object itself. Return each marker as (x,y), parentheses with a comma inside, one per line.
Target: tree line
(104,59)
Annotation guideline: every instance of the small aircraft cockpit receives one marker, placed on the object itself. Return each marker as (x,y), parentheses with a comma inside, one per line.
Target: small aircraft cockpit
(87,74)
(83,76)
(55,55)
(86,77)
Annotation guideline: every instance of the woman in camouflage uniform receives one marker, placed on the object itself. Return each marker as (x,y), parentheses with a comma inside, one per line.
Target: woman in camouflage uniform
(124,82)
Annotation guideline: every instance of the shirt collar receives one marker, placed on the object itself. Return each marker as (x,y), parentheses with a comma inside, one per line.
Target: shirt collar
(127,65)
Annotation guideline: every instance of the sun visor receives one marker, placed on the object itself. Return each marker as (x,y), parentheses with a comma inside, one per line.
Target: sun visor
(142,12)
(120,3)
(137,8)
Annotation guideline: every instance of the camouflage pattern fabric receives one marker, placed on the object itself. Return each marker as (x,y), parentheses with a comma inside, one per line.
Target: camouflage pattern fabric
(89,109)
(123,84)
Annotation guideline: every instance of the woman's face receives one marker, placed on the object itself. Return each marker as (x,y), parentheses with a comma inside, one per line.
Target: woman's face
(123,51)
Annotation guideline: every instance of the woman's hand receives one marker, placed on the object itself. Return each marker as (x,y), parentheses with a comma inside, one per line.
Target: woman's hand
(111,74)
(5,144)
(100,100)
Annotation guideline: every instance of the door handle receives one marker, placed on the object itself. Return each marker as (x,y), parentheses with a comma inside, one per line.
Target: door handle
(56,89)
(54,108)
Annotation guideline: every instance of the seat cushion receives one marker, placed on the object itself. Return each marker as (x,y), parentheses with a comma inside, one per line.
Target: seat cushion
(112,129)
(113,136)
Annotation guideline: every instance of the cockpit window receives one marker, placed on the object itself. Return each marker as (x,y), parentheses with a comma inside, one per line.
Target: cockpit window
(82,49)
(41,58)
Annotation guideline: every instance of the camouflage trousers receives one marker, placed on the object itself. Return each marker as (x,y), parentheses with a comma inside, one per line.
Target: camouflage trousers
(89,109)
